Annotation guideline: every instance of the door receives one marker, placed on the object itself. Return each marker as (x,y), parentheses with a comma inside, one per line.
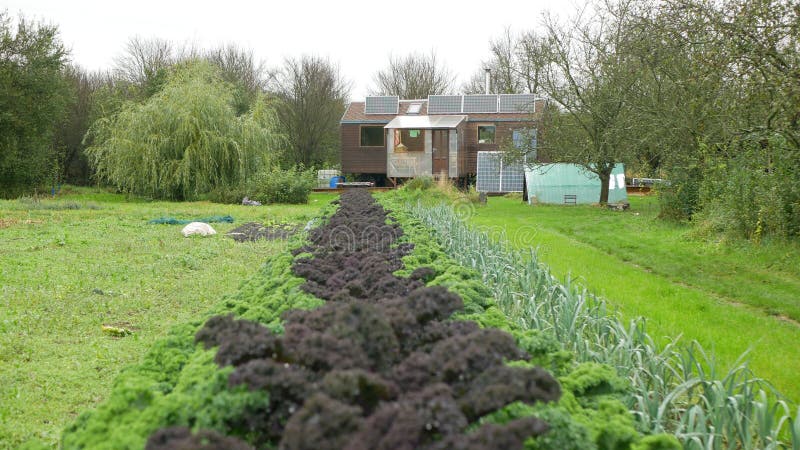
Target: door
(441,151)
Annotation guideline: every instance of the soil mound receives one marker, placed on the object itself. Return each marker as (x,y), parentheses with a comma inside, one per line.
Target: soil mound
(253,231)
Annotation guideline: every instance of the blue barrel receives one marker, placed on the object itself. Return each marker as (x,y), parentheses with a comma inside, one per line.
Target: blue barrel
(335,181)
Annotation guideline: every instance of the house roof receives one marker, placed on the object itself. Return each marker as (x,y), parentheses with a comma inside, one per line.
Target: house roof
(355,114)
(415,121)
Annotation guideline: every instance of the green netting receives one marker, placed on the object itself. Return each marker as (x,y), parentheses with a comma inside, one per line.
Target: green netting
(174,221)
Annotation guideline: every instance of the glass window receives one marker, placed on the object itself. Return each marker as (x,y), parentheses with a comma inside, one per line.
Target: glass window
(413,140)
(524,138)
(486,134)
(372,136)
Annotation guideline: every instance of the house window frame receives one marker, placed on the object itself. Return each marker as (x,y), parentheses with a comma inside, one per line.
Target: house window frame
(478,133)
(360,135)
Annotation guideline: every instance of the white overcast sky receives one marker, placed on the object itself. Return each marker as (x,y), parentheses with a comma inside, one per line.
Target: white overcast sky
(357,35)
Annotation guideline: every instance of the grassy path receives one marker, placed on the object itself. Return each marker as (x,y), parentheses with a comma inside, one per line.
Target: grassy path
(66,272)
(729,298)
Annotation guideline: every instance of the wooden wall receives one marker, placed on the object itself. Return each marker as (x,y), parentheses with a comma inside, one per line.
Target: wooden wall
(357,159)
(468,162)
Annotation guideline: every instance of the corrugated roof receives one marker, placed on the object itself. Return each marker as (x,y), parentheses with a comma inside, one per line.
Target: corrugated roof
(417,122)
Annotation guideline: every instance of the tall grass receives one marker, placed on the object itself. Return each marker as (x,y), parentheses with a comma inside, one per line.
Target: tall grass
(675,389)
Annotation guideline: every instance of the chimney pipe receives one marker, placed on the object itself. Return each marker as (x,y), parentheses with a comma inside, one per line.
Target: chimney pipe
(488,78)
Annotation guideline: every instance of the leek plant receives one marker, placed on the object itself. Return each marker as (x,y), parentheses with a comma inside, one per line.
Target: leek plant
(674,389)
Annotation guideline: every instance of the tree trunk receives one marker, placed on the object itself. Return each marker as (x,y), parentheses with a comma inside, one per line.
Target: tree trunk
(524,189)
(605,177)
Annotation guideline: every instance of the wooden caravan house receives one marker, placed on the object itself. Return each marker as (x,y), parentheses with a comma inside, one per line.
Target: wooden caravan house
(438,135)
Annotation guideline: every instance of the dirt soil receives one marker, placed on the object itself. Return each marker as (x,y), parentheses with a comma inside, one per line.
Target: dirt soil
(253,231)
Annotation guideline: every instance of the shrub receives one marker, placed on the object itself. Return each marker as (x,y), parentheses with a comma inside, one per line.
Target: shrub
(277,185)
(679,199)
(419,184)
(750,189)
(229,194)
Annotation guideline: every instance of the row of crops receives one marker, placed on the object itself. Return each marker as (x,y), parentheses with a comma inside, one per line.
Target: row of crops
(387,329)
(676,389)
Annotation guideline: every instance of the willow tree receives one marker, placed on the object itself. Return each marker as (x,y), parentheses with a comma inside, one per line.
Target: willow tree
(185,140)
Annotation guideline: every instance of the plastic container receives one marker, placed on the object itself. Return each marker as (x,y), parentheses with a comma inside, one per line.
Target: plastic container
(335,181)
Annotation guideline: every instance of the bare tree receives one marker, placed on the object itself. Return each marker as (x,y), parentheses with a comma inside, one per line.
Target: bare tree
(517,64)
(143,59)
(502,63)
(533,54)
(241,68)
(240,65)
(312,97)
(414,76)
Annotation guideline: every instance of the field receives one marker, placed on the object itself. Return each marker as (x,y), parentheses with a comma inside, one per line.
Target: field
(367,335)
(375,330)
(731,297)
(86,259)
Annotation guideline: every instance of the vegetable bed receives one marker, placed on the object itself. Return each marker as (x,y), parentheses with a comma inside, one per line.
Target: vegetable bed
(361,339)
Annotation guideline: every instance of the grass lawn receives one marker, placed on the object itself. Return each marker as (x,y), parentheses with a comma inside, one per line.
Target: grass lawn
(64,273)
(731,297)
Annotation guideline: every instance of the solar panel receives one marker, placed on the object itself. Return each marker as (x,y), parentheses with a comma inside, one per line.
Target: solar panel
(488,176)
(414,108)
(480,103)
(494,175)
(382,105)
(517,103)
(444,104)
(512,177)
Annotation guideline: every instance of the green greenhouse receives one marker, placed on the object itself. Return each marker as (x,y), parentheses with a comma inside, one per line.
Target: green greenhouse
(571,184)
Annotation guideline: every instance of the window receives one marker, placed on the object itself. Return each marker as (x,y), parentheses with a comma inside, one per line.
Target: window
(524,139)
(486,134)
(413,140)
(372,136)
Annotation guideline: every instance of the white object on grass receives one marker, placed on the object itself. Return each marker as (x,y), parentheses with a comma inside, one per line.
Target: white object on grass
(203,229)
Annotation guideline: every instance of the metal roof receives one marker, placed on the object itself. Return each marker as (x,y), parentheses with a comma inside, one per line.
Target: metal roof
(419,122)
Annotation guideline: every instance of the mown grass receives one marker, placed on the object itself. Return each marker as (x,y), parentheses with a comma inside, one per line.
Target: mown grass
(70,265)
(729,296)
